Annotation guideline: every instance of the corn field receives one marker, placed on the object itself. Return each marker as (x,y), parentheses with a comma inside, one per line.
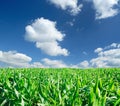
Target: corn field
(59,87)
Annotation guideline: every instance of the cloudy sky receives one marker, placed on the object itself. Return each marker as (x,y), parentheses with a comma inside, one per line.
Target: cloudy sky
(60,33)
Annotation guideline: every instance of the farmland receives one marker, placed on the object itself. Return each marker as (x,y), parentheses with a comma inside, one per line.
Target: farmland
(59,87)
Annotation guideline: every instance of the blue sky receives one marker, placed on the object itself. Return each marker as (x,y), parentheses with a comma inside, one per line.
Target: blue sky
(59,33)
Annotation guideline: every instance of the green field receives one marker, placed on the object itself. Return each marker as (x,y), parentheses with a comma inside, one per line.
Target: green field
(59,87)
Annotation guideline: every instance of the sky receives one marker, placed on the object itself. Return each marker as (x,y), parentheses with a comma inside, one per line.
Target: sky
(60,33)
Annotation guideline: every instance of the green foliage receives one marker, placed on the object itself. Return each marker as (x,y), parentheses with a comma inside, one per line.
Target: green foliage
(59,87)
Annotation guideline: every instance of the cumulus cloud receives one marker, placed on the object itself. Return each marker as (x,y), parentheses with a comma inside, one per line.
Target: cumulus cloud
(98,50)
(107,57)
(54,63)
(70,5)
(52,48)
(105,8)
(36,65)
(84,64)
(14,59)
(113,45)
(44,33)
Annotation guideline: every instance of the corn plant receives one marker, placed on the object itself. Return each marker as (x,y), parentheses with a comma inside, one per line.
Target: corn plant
(59,87)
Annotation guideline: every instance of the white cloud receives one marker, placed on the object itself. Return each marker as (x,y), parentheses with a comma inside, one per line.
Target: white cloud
(109,57)
(84,64)
(105,8)
(73,66)
(70,5)
(53,63)
(52,48)
(36,65)
(14,59)
(44,33)
(113,45)
(98,62)
(98,50)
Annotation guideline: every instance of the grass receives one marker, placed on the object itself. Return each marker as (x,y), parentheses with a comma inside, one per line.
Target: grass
(59,87)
